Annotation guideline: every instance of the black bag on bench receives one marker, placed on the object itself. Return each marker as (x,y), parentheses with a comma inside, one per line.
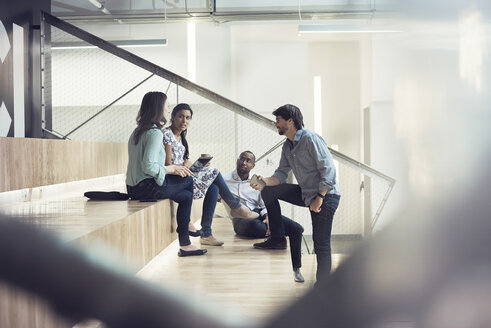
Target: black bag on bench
(106,195)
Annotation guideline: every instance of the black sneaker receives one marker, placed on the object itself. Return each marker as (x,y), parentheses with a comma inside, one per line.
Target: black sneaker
(272,243)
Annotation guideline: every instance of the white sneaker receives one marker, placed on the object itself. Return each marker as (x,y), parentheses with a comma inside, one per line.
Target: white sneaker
(297,275)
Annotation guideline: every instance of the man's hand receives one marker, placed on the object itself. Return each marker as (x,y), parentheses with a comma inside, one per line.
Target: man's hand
(268,232)
(257,186)
(316,204)
(271,181)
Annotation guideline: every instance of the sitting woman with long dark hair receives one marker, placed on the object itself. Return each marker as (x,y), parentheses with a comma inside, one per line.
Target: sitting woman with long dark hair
(147,176)
(208,182)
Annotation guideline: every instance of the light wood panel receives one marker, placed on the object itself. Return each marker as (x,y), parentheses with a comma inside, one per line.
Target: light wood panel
(29,162)
(139,236)
(135,230)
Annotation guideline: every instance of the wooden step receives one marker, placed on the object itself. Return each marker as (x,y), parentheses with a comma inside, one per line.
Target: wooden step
(125,234)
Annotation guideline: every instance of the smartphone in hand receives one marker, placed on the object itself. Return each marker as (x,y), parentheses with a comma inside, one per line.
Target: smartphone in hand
(200,163)
(260,183)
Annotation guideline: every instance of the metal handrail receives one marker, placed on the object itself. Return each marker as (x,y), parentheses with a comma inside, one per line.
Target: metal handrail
(106,107)
(207,94)
(270,150)
(348,161)
(157,70)
(351,162)
(193,87)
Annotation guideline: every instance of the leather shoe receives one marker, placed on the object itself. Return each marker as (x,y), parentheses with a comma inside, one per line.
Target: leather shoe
(197,233)
(210,240)
(243,213)
(297,275)
(182,253)
(272,243)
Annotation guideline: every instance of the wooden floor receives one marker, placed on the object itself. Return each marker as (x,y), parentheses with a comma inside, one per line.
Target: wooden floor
(235,280)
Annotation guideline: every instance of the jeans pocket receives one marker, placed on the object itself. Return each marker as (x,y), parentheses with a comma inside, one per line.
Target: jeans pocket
(331,204)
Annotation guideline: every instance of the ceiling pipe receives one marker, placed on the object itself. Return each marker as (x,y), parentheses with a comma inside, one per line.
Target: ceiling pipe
(100,6)
(226,17)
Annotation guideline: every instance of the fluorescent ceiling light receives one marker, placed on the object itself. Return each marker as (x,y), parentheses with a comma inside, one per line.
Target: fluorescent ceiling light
(119,43)
(342,29)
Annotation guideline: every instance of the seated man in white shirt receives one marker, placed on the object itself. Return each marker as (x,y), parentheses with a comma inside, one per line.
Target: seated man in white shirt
(238,181)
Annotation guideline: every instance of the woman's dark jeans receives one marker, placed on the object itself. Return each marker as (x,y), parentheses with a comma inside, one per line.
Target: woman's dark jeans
(174,187)
(210,202)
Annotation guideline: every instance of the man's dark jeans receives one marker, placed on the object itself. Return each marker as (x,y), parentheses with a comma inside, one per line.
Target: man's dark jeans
(321,222)
(210,202)
(174,187)
(257,229)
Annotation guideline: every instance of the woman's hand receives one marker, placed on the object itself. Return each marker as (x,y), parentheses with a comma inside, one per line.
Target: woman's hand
(179,170)
(188,163)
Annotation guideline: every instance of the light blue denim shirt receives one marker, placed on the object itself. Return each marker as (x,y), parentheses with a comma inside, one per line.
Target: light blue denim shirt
(146,159)
(311,162)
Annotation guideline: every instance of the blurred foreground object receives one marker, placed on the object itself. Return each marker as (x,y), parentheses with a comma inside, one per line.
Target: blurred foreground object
(430,268)
(79,289)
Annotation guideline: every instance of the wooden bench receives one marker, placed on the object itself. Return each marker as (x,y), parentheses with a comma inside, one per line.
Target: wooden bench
(43,182)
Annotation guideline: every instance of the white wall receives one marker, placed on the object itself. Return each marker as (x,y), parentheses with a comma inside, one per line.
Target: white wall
(431,93)
(387,148)
(338,65)
(427,87)
(213,58)
(172,57)
(268,72)
(272,66)
(212,49)
(260,66)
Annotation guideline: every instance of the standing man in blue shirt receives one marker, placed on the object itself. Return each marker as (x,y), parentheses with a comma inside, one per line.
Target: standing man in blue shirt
(307,155)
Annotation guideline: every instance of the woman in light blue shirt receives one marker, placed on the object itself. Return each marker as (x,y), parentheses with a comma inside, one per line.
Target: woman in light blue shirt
(149,178)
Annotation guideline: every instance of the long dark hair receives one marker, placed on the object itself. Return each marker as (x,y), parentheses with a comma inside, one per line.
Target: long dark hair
(151,112)
(176,109)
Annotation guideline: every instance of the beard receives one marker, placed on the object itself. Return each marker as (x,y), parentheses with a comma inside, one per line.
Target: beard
(242,170)
(281,131)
